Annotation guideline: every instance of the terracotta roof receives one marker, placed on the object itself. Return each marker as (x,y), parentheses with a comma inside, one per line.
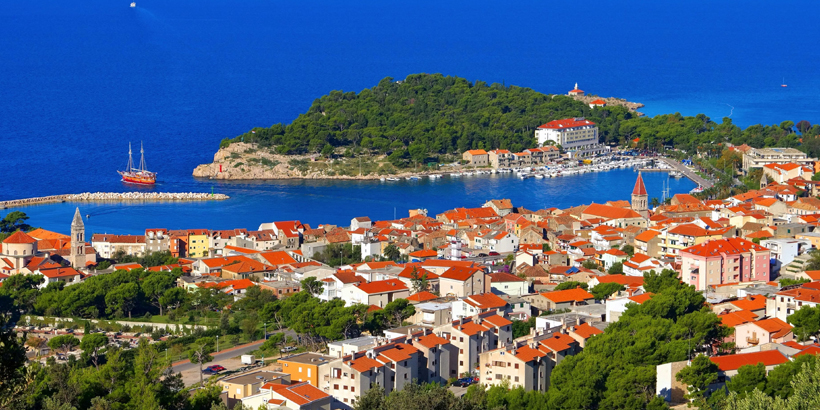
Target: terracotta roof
(459,273)
(558,342)
(735,361)
(504,277)
(41,234)
(776,327)
(485,301)
(753,302)
(421,296)
(301,394)
(431,340)
(527,354)
(730,246)
(640,299)
(813,349)
(567,122)
(610,212)
(628,281)
(347,277)
(586,330)
(647,236)
(278,258)
(567,295)
(497,321)
(399,352)
(640,188)
(477,152)
(598,102)
(19,237)
(424,253)
(382,286)
(364,364)
(59,272)
(99,237)
(470,328)
(739,317)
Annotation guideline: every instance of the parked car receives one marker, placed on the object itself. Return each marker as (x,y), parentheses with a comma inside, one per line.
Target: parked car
(494,253)
(482,255)
(464,382)
(287,349)
(209,372)
(216,368)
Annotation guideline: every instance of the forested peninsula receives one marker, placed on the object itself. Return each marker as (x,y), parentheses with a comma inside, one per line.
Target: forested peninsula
(401,126)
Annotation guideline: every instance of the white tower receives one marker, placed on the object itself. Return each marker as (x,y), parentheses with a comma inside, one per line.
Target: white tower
(77,256)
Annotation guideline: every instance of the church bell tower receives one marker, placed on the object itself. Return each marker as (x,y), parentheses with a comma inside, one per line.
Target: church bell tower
(640,199)
(77,256)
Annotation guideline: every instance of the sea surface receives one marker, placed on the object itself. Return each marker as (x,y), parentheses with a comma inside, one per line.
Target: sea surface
(79,80)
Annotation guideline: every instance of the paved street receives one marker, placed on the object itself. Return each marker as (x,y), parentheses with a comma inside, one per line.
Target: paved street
(688,172)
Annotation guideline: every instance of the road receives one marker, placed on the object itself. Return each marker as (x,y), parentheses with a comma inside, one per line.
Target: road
(688,172)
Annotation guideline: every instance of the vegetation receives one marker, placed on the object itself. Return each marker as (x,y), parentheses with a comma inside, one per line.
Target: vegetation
(617,268)
(339,254)
(571,285)
(603,291)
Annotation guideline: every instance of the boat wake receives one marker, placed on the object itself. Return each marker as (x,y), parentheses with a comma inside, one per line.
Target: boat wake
(732,111)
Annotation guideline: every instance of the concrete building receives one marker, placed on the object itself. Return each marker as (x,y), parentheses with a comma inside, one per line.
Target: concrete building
(106,245)
(475,335)
(569,133)
(378,293)
(771,330)
(724,261)
(304,367)
(759,157)
(248,384)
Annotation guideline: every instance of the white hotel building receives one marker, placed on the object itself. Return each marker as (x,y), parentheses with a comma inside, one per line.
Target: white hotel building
(572,134)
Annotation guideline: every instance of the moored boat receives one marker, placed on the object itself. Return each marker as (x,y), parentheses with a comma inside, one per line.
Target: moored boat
(141,175)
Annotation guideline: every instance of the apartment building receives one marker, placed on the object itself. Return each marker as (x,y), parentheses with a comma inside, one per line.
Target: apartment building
(569,133)
(760,157)
(475,335)
(722,261)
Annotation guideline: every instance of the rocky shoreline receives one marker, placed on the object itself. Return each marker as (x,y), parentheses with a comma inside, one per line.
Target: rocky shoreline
(243,161)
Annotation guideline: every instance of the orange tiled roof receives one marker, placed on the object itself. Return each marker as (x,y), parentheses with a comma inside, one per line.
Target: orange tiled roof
(739,317)
(19,237)
(431,340)
(364,364)
(421,296)
(753,302)
(459,273)
(485,301)
(567,295)
(586,330)
(382,286)
(774,326)
(735,361)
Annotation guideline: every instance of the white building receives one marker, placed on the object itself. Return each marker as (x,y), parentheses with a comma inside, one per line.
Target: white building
(569,133)
(784,250)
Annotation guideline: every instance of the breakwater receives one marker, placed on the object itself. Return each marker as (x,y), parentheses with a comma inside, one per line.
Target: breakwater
(114,197)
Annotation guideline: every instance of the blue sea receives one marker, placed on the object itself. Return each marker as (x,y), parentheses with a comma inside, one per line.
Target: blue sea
(79,80)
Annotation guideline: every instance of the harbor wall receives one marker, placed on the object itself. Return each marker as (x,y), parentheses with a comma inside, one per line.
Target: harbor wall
(114,197)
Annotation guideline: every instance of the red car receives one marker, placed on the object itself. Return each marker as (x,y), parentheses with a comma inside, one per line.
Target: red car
(216,368)
(494,253)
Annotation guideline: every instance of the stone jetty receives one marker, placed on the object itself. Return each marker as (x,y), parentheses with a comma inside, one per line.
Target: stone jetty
(115,197)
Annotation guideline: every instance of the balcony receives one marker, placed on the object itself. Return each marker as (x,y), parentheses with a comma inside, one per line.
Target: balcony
(791,306)
(752,340)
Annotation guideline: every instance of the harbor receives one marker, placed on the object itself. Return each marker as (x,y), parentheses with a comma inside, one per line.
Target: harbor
(114,197)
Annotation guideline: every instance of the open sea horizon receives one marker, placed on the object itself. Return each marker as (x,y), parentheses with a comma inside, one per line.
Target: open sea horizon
(79,81)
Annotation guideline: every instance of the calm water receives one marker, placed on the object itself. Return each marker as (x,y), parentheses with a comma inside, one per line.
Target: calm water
(79,80)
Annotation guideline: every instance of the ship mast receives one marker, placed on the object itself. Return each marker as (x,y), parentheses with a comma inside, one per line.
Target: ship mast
(130,160)
(142,159)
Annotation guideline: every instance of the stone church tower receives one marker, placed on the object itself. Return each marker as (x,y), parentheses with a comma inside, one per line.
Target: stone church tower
(640,199)
(764,182)
(77,256)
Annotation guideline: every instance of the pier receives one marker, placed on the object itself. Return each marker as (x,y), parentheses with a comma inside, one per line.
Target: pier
(114,197)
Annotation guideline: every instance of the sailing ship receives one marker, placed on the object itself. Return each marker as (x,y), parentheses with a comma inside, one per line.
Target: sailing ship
(139,175)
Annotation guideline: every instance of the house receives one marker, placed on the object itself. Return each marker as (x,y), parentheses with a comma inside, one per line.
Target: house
(378,293)
(724,261)
(106,245)
(248,384)
(476,304)
(502,207)
(782,172)
(475,335)
(360,222)
(199,243)
(476,157)
(500,158)
(597,103)
(760,157)
(463,281)
(304,367)
(614,216)
(639,264)
(648,243)
(297,396)
(788,301)
(507,284)
(67,275)
(561,299)
(438,357)
(616,307)
(771,330)
(17,250)
(613,256)
(245,268)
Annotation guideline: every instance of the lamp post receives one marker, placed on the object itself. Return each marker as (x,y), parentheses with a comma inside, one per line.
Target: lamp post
(166,354)
(217,343)
(266,330)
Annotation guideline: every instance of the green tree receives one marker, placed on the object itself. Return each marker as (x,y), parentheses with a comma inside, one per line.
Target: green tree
(813,262)
(63,343)
(12,360)
(14,221)
(590,264)
(392,252)
(603,291)
(656,282)
(790,282)
(747,379)
(617,268)
(123,299)
(155,285)
(629,250)
(200,353)
(701,373)
(418,281)
(571,285)
(312,285)
(92,344)
(806,322)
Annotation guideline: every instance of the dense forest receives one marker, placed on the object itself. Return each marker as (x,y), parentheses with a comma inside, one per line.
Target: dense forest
(427,115)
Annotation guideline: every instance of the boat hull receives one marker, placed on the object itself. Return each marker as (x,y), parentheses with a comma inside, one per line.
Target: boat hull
(139,178)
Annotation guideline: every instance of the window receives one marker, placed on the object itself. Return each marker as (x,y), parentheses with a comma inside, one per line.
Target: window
(405,376)
(345,400)
(392,378)
(308,372)
(353,389)
(335,387)
(345,387)
(516,378)
(461,351)
(516,366)
(460,363)
(352,376)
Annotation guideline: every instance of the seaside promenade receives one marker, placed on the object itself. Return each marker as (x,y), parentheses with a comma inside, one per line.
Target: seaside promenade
(114,197)
(705,183)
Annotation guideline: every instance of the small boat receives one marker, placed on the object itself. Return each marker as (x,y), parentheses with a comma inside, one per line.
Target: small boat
(783,84)
(381,179)
(140,175)
(539,176)
(392,179)
(133,4)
